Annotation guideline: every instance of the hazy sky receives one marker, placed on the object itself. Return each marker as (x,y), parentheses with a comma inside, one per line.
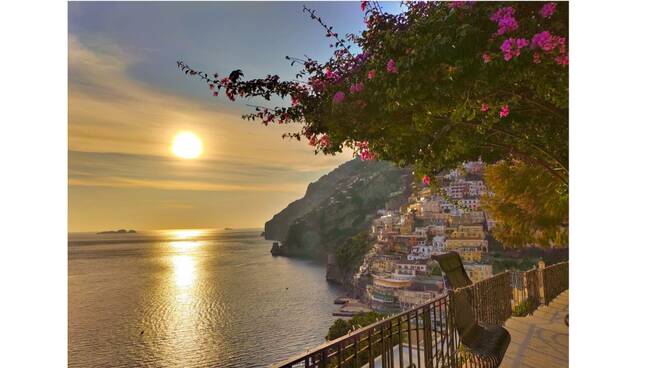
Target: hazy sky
(127,100)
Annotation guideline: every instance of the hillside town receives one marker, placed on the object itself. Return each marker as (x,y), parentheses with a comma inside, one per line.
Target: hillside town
(398,272)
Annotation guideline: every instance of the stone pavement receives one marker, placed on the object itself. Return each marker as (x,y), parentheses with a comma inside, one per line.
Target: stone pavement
(539,340)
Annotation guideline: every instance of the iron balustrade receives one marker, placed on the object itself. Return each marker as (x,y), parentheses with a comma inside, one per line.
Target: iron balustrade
(555,281)
(420,337)
(490,299)
(526,293)
(426,335)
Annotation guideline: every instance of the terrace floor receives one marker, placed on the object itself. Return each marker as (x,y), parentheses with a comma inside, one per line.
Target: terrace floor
(539,340)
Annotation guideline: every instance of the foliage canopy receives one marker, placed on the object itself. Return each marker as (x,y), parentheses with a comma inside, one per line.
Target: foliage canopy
(436,85)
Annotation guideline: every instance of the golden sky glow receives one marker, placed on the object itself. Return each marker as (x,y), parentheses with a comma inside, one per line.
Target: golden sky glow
(122,170)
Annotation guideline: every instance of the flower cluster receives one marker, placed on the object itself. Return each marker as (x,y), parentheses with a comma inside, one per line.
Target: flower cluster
(356,88)
(426,180)
(504,17)
(339,97)
(511,47)
(391,67)
(548,9)
(363,151)
(549,43)
(324,141)
(504,111)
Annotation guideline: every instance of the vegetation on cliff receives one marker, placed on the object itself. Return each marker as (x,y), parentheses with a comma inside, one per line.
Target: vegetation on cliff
(361,188)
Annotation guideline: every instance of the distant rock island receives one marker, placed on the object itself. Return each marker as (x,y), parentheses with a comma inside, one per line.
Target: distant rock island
(120,231)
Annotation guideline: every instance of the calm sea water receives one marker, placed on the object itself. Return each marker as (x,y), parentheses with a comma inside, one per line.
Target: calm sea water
(195,298)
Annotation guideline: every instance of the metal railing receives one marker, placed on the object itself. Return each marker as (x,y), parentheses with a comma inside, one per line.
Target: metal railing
(526,292)
(426,336)
(555,281)
(490,299)
(420,337)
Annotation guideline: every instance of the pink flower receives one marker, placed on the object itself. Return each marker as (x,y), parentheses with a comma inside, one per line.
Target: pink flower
(537,58)
(357,87)
(215,93)
(562,60)
(366,155)
(391,67)
(511,47)
(484,107)
(543,40)
(211,86)
(486,57)
(329,74)
(339,97)
(371,74)
(295,101)
(548,9)
(324,141)
(317,84)
(505,20)
(426,180)
(504,111)
(363,151)
(363,5)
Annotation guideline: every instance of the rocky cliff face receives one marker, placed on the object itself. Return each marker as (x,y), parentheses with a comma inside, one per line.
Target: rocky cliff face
(317,192)
(337,207)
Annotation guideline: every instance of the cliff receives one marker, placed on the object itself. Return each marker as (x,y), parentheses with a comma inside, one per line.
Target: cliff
(337,207)
(317,192)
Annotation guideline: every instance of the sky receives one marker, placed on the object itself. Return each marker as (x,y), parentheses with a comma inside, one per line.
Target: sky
(127,100)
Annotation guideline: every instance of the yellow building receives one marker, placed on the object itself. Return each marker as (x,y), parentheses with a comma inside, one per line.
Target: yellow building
(469,232)
(470,255)
(455,244)
(391,282)
(407,224)
(383,264)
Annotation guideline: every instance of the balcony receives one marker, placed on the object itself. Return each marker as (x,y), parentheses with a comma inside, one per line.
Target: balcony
(531,305)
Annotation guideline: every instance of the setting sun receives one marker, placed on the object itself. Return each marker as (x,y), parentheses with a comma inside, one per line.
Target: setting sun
(187,145)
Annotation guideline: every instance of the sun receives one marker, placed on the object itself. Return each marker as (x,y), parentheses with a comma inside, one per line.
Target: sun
(187,145)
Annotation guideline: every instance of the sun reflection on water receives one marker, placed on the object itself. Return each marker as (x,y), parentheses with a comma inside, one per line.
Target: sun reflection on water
(185,233)
(179,331)
(185,270)
(184,261)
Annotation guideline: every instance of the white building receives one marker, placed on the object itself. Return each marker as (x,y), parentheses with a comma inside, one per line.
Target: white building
(472,203)
(476,188)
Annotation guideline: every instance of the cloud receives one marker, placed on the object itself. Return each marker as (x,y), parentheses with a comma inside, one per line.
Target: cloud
(120,131)
(122,170)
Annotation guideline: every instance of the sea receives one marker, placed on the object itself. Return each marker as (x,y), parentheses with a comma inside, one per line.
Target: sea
(191,298)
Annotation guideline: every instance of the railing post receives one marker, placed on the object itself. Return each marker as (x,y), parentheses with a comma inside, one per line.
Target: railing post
(542,284)
(452,334)
(428,347)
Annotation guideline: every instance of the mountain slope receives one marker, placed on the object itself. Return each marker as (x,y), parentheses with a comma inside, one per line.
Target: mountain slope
(337,207)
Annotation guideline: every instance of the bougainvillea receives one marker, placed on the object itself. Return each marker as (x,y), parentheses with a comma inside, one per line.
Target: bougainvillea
(440,63)
(413,92)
